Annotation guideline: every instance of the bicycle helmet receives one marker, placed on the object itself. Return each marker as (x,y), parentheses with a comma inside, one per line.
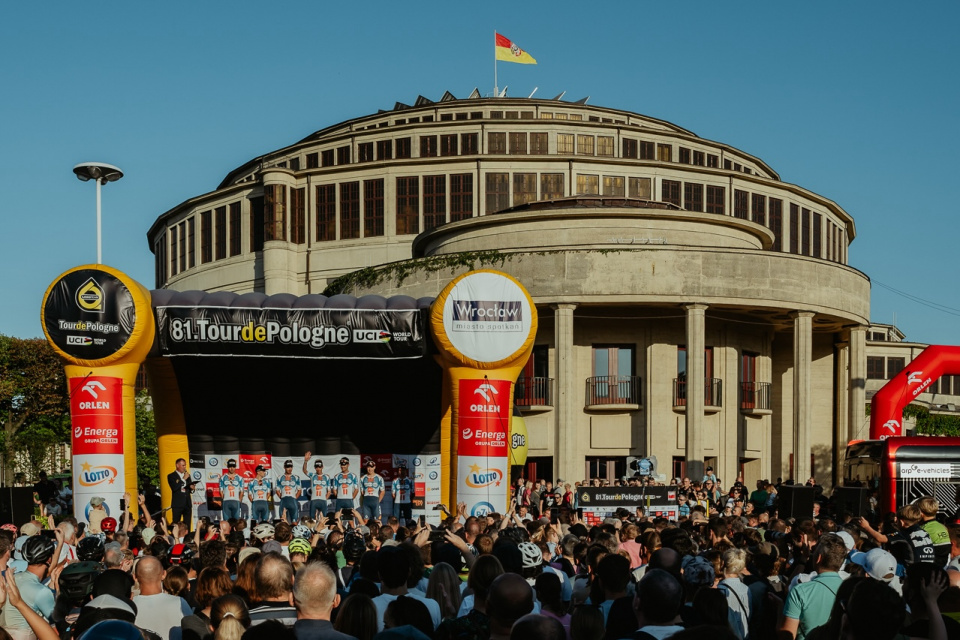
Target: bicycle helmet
(180,554)
(354,547)
(301,531)
(90,548)
(263,531)
(108,525)
(38,549)
(76,580)
(299,545)
(532,556)
(12,528)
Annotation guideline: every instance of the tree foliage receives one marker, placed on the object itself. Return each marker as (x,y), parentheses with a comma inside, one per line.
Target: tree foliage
(34,403)
(148,461)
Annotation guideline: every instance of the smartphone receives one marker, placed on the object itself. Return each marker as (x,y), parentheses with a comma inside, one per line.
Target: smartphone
(346,512)
(48,533)
(580,513)
(423,521)
(554,516)
(437,535)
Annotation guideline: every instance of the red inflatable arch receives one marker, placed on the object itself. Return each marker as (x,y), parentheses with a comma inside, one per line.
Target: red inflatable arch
(887,406)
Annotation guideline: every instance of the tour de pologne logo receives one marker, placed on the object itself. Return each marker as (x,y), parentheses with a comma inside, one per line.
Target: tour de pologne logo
(89,296)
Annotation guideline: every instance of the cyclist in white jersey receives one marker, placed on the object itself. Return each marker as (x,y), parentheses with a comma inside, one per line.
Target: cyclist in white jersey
(371,486)
(402,492)
(231,491)
(347,486)
(289,490)
(259,490)
(319,487)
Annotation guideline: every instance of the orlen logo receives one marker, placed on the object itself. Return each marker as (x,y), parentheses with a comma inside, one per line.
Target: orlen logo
(370,335)
(91,476)
(892,426)
(479,478)
(487,310)
(467,433)
(90,296)
(80,341)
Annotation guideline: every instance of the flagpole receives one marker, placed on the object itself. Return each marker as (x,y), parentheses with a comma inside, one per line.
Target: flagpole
(496,90)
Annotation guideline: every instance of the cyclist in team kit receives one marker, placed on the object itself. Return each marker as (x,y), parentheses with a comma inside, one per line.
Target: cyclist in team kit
(231,490)
(402,492)
(289,490)
(347,486)
(371,486)
(319,487)
(259,491)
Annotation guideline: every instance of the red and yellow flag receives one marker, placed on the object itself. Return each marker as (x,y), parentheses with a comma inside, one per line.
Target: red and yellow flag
(510,52)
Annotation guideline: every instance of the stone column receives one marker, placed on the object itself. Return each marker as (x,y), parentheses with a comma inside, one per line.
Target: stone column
(567,456)
(696,342)
(841,376)
(802,402)
(857,427)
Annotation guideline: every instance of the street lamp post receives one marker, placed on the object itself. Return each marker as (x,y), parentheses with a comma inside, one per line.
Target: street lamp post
(102,173)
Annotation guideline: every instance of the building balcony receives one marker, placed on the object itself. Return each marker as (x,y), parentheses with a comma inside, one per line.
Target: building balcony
(756,398)
(712,395)
(533,394)
(613,393)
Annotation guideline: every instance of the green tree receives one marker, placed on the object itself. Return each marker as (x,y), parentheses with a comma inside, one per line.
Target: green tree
(34,403)
(148,461)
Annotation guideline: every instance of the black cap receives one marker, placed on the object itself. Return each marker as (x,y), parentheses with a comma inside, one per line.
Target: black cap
(287,463)
(260,467)
(371,463)
(709,468)
(403,465)
(231,463)
(344,461)
(318,463)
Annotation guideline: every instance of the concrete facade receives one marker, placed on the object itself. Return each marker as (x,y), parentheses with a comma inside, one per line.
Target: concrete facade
(636,239)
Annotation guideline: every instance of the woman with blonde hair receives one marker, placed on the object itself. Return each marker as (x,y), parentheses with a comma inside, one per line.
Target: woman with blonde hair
(229,617)
(444,588)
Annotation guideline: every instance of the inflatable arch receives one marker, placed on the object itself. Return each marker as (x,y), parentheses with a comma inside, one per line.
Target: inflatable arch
(886,411)
(234,375)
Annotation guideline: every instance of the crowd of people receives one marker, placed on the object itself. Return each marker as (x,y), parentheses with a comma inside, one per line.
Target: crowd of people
(731,566)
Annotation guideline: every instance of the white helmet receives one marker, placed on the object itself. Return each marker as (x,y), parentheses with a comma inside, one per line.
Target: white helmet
(263,531)
(301,531)
(532,555)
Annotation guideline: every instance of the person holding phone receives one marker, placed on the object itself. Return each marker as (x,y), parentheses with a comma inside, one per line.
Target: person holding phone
(372,488)
(347,485)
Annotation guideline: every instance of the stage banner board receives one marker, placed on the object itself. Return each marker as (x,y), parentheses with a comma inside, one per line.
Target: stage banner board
(291,333)
(598,503)
(99,321)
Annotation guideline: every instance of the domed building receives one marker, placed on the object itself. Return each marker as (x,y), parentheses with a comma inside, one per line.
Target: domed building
(655,258)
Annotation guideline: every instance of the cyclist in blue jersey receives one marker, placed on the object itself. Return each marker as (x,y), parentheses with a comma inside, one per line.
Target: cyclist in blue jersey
(319,487)
(402,492)
(259,491)
(371,486)
(231,490)
(289,490)
(347,486)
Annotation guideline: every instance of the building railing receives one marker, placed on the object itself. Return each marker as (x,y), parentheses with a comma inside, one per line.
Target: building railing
(712,392)
(533,392)
(603,390)
(756,395)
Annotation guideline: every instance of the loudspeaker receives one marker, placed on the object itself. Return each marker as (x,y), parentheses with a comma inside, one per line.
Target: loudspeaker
(855,500)
(795,501)
(16,504)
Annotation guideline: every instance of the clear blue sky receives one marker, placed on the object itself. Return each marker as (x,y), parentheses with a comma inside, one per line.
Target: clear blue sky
(857,101)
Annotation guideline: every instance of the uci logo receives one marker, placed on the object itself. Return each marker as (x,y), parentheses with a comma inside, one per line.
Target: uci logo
(90,296)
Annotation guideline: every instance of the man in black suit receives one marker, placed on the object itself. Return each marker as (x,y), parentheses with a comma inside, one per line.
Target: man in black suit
(181,486)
